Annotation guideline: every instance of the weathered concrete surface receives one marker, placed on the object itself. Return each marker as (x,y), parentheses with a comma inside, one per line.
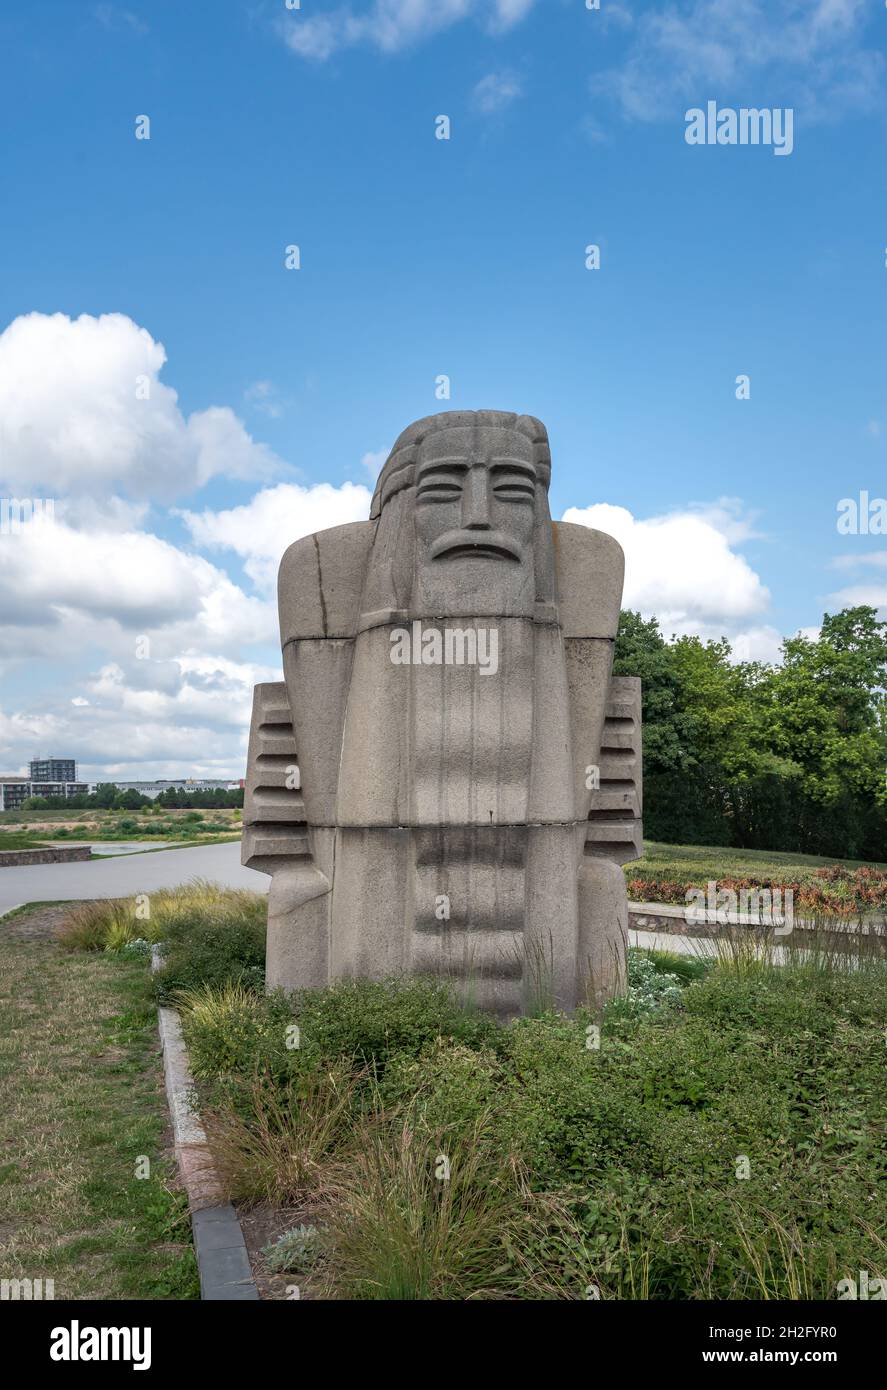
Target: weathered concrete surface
(419,786)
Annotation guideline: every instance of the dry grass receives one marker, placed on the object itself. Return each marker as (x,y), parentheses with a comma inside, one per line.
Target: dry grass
(275,1146)
(107,924)
(409,1217)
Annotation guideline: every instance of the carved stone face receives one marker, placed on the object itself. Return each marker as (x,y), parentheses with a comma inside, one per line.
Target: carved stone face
(476,495)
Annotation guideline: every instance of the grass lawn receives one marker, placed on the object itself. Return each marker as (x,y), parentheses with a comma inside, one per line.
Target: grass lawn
(21,839)
(703,862)
(81,1100)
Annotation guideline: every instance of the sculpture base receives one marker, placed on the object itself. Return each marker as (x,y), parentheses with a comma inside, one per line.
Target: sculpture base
(502,913)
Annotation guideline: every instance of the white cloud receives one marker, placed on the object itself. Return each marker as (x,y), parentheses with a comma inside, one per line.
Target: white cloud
(52,576)
(509,12)
(496,91)
(154,718)
(127,729)
(391,25)
(874,595)
(810,56)
(871,590)
(681,569)
(115,18)
(875,559)
(261,530)
(752,644)
(73,420)
(265,397)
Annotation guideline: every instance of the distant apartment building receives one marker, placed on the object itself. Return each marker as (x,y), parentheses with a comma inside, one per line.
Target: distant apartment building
(58,777)
(53,770)
(14,790)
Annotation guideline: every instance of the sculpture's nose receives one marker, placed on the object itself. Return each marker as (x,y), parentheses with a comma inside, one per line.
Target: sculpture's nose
(476,501)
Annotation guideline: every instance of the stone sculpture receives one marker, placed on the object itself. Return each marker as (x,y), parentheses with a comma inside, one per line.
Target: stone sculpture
(449,778)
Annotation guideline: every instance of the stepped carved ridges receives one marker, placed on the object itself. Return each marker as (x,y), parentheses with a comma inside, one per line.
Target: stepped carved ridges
(274,819)
(614,820)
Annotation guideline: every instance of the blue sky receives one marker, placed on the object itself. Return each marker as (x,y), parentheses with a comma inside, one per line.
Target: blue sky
(276,391)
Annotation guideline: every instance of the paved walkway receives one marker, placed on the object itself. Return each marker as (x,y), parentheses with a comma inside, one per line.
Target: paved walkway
(131,873)
(671,941)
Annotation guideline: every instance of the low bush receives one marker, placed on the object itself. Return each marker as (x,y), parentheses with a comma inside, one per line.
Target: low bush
(92,926)
(718,1133)
(276,1143)
(410,1219)
(209,935)
(363,1022)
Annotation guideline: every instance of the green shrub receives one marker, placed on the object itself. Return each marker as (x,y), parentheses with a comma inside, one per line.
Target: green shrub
(227,1029)
(370,1020)
(363,1022)
(227,948)
(724,1140)
(647,1135)
(210,935)
(449,1087)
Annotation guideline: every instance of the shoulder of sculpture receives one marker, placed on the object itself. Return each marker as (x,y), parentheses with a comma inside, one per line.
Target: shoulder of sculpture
(590,568)
(320,581)
(585,539)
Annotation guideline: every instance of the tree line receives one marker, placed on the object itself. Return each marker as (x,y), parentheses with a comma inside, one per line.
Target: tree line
(107,797)
(789,756)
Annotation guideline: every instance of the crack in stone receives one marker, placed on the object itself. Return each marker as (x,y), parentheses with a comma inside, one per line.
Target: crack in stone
(320,586)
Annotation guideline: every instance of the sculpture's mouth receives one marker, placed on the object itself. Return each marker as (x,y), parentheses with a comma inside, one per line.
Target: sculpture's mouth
(487,545)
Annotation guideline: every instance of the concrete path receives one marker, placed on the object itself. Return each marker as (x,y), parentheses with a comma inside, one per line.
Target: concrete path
(131,873)
(672,941)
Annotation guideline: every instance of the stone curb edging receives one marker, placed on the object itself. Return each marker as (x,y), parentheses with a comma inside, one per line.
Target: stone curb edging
(222,1259)
(63,854)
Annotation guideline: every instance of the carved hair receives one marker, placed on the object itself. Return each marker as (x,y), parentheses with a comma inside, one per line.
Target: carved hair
(400,467)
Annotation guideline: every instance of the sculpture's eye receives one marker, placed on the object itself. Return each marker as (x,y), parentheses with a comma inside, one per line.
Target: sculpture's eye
(514,487)
(439,487)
